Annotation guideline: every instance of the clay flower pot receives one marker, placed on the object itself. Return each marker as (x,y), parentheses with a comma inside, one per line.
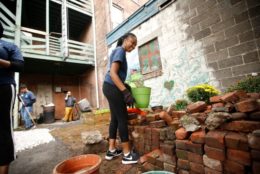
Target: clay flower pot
(82,164)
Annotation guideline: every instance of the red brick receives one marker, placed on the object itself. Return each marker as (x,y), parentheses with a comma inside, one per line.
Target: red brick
(193,157)
(239,156)
(256,167)
(236,141)
(155,135)
(211,171)
(230,97)
(182,154)
(195,148)
(147,166)
(255,116)
(147,148)
(169,167)
(198,137)
(166,117)
(233,167)
(198,168)
(254,95)
(214,153)
(148,133)
(157,124)
(216,105)
(215,99)
(132,122)
(212,163)
(183,164)
(167,149)
(151,160)
(175,124)
(178,114)
(254,141)
(181,134)
(241,95)
(181,144)
(199,106)
(238,116)
(140,129)
(170,132)
(201,117)
(255,155)
(163,135)
(183,171)
(168,159)
(247,105)
(241,126)
(215,139)
(143,159)
(159,163)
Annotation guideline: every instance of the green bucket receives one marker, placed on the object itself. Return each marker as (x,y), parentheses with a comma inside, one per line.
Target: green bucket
(141,96)
(158,172)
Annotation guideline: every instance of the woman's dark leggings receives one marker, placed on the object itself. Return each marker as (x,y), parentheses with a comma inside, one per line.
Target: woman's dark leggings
(118,112)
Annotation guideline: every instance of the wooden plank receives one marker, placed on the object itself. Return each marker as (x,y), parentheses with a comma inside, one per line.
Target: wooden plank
(6,20)
(33,38)
(33,46)
(33,51)
(8,40)
(80,10)
(7,11)
(78,43)
(33,31)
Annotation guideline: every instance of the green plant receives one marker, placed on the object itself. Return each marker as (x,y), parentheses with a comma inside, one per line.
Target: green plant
(181,104)
(250,84)
(202,92)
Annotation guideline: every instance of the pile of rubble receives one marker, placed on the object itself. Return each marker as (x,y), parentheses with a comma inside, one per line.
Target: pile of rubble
(220,137)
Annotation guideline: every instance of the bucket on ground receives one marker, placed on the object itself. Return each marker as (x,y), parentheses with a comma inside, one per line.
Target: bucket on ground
(84,105)
(82,164)
(48,113)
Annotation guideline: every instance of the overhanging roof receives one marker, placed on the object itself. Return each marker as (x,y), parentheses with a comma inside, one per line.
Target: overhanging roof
(145,12)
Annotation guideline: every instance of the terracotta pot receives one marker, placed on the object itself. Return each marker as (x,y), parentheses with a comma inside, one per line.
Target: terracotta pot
(82,164)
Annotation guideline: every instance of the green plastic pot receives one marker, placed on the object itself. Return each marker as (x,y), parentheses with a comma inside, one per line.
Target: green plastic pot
(141,96)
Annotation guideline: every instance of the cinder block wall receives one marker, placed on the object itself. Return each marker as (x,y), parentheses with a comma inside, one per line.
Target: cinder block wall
(215,41)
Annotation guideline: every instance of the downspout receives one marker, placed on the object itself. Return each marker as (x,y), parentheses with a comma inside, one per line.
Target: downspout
(18,43)
(95,54)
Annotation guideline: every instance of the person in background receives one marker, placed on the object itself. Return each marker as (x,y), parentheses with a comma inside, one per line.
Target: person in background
(119,97)
(69,103)
(11,60)
(28,99)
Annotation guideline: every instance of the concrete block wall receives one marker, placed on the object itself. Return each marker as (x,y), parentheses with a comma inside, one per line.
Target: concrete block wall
(215,41)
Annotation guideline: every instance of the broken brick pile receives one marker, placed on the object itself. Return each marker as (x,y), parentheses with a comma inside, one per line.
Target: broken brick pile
(230,145)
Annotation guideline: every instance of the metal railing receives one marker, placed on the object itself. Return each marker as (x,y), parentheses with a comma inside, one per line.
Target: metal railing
(83,6)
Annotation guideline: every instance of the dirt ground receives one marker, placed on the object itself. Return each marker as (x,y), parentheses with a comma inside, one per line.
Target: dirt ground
(43,158)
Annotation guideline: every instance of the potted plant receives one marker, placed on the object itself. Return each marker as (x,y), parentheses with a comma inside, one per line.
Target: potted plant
(140,93)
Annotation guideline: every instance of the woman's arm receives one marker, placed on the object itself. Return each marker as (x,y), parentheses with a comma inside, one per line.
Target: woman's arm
(114,76)
(16,66)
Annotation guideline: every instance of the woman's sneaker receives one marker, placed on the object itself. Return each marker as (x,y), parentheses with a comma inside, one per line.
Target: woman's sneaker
(131,158)
(111,155)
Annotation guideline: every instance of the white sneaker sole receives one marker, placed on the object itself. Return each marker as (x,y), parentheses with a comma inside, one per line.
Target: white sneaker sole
(129,162)
(111,157)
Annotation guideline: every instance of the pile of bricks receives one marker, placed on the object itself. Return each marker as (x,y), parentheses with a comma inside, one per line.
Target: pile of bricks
(232,147)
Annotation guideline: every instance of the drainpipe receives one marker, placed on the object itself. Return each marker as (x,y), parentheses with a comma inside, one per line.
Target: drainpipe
(95,54)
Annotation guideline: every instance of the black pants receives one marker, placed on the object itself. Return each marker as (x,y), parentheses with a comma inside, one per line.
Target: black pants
(118,112)
(7,97)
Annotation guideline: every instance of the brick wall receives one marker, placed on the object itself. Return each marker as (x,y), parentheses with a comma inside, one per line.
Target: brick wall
(227,139)
(215,41)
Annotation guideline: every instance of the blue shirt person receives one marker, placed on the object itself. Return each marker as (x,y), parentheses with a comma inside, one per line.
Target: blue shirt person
(28,99)
(11,60)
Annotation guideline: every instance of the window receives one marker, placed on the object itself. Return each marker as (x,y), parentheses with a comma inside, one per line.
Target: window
(116,15)
(150,59)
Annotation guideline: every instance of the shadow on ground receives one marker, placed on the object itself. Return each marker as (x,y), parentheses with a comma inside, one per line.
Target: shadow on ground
(43,158)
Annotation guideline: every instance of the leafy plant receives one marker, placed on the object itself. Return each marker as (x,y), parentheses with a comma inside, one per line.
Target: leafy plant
(181,104)
(202,92)
(250,84)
